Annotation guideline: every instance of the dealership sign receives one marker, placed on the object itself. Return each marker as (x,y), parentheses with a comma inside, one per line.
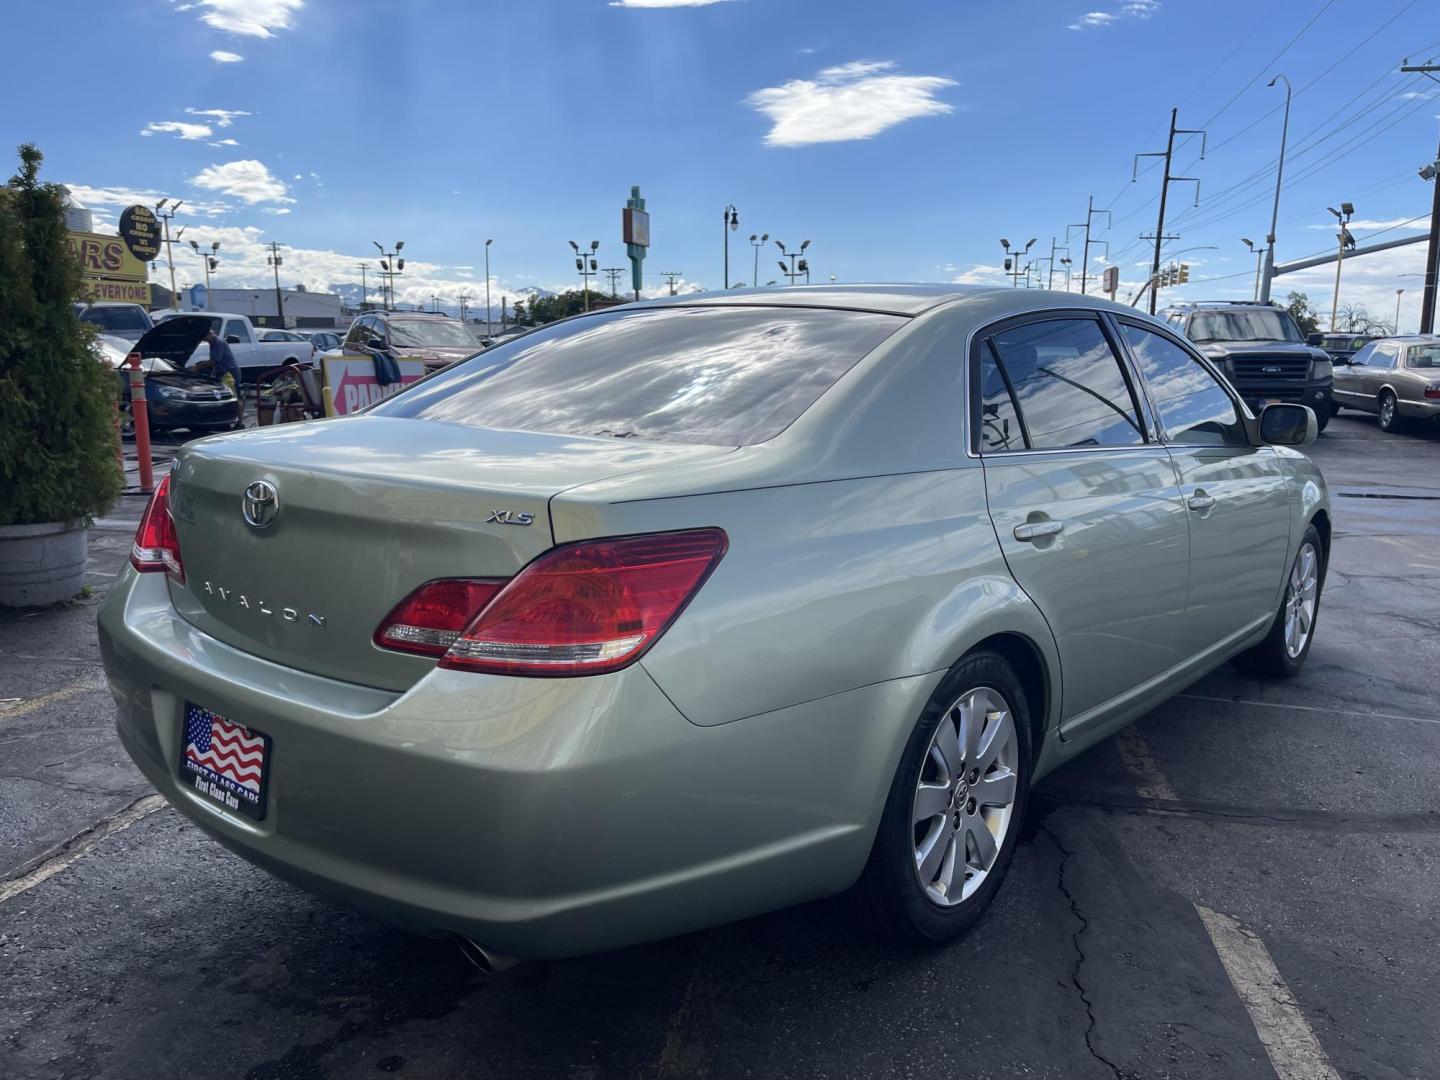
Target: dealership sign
(350,382)
(108,269)
(141,232)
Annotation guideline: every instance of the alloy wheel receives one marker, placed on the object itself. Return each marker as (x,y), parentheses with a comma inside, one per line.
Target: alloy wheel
(965,797)
(1301,596)
(1387,410)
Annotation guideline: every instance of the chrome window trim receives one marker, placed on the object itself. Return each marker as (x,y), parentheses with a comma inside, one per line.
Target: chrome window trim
(972,380)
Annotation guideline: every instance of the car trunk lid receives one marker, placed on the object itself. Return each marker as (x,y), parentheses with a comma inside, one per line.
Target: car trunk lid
(365,510)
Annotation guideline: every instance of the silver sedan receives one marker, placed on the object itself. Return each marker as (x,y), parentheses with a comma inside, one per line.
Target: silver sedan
(1397,379)
(687,610)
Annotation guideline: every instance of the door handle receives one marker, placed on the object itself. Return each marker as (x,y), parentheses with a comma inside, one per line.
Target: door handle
(1038,530)
(1200,502)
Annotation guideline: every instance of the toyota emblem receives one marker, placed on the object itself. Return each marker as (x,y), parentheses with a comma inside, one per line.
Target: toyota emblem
(261,504)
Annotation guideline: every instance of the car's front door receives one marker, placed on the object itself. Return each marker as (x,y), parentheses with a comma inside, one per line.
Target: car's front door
(1349,386)
(1236,493)
(1084,503)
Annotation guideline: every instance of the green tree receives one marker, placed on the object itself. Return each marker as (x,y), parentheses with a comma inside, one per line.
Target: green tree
(544,309)
(57,401)
(1298,304)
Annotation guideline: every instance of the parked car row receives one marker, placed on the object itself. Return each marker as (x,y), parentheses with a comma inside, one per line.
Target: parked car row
(1397,379)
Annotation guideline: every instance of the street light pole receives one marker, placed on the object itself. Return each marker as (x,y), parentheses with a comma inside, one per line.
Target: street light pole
(1343,216)
(209,259)
(1263,293)
(1259,253)
(1398,293)
(730,221)
(487,286)
(391,266)
(757,243)
(586,263)
(1067,262)
(166,216)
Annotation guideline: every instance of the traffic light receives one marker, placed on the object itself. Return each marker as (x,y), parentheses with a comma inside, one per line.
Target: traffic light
(1184,273)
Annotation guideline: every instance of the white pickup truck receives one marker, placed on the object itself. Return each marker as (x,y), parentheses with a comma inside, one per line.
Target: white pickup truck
(256,348)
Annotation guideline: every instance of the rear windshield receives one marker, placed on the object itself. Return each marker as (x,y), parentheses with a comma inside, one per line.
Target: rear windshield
(721,375)
(111,319)
(432,333)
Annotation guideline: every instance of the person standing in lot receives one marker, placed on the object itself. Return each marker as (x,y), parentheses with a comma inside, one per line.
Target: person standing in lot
(222,365)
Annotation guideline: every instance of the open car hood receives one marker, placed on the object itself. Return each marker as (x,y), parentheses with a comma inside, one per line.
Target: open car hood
(175,339)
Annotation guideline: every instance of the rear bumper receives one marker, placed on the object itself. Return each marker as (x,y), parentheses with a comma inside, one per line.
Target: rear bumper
(1420,410)
(538,817)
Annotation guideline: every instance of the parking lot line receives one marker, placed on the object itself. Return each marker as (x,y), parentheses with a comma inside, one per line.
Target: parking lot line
(14,708)
(1310,708)
(80,846)
(1294,1051)
(1150,782)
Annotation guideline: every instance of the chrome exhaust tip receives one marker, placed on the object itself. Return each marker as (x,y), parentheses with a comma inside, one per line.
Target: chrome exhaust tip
(483,959)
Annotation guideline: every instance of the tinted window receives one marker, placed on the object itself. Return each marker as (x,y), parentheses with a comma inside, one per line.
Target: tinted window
(237,329)
(1000,427)
(730,376)
(434,333)
(121,319)
(1244,324)
(1423,356)
(1193,407)
(1068,383)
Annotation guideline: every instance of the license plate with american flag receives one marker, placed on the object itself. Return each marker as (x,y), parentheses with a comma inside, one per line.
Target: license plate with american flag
(226,762)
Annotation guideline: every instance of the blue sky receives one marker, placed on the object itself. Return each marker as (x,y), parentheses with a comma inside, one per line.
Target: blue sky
(902,138)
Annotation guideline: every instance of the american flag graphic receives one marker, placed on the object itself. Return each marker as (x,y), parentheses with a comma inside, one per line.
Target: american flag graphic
(225,749)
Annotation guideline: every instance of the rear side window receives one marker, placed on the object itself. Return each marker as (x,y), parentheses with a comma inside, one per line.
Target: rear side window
(1067,384)
(723,375)
(1194,408)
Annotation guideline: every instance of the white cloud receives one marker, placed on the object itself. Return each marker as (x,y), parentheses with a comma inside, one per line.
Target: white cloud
(222,117)
(178,128)
(981,274)
(849,101)
(224,142)
(1130,9)
(120,196)
(1358,224)
(276,210)
(251,18)
(220,56)
(1094,20)
(1140,9)
(663,3)
(248,180)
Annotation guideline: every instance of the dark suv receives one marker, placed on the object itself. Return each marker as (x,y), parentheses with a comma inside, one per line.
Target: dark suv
(1260,349)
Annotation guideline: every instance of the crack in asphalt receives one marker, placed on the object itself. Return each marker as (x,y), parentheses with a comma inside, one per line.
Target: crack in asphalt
(1318,818)
(1091,1022)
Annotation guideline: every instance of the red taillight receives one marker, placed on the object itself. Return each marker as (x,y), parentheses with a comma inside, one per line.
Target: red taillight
(430,619)
(1432,392)
(156,546)
(579,609)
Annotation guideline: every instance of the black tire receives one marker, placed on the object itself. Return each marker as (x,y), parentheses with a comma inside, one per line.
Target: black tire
(1271,658)
(1334,407)
(1322,418)
(889,894)
(1389,419)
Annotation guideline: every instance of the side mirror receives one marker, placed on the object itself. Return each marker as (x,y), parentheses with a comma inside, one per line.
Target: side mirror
(232,339)
(1288,425)
(375,342)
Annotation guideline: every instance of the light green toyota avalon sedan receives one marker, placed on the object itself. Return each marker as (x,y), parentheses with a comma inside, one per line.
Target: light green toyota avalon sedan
(687,610)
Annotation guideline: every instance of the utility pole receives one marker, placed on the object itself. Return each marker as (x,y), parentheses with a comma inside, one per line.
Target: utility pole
(1050,280)
(1090,212)
(464,298)
(1430,172)
(613,273)
(364,289)
(671,277)
(1165,183)
(274,260)
(1347,242)
(1262,292)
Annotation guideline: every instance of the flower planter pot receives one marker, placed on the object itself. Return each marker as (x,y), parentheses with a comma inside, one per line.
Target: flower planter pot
(41,564)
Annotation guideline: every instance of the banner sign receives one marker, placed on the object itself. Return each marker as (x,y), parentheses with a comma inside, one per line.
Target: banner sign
(350,382)
(141,232)
(108,269)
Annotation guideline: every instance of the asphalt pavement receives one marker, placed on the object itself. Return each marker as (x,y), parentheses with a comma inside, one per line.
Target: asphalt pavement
(1242,885)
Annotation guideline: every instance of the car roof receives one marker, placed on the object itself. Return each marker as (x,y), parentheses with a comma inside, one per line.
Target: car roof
(888,299)
(1412,339)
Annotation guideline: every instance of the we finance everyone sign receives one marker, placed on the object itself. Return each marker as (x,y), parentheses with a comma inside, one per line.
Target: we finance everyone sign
(351,384)
(109,269)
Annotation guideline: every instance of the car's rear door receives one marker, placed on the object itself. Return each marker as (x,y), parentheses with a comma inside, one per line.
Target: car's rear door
(1236,494)
(1084,502)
